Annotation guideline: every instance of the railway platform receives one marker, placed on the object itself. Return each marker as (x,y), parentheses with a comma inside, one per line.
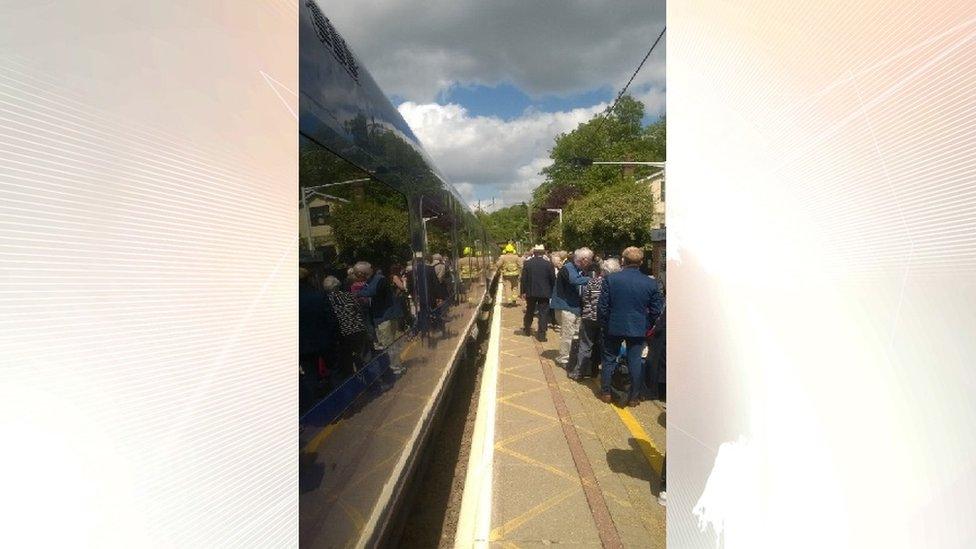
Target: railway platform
(550,462)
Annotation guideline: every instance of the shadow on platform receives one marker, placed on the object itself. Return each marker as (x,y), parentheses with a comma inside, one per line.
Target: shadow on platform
(633,463)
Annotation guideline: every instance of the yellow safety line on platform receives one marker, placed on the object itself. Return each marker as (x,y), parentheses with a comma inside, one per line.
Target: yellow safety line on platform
(651,453)
(369,472)
(518,521)
(354,515)
(521,393)
(541,465)
(529,411)
(402,416)
(524,378)
(313,445)
(520,436)
(545,466)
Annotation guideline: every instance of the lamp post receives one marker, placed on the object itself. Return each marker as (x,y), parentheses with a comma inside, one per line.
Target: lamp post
(602,163)
(426,219)
(587,162)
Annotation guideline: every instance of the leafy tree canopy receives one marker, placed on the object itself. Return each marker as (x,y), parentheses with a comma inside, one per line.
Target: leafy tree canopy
(506,224)
(439,239)
(619,137)
(610,219)
(370,231)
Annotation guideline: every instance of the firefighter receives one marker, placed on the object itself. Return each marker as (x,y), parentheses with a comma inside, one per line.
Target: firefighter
(510,266)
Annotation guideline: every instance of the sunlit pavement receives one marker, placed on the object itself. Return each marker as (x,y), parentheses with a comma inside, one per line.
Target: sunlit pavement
(591,479)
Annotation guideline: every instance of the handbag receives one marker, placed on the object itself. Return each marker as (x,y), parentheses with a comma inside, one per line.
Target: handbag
(620,384)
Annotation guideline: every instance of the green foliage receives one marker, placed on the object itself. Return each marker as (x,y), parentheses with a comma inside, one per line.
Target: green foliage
(318,166)
(551,237)
(619,137)
(439,238)
(371,231)
(506,224)
(370,191)
(610,219)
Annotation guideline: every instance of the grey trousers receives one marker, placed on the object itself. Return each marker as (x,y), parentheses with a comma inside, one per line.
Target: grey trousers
(569,323)
(589,347)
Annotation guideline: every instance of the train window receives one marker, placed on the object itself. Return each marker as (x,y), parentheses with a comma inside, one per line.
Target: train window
(355,240)
(440,251)
(469,262)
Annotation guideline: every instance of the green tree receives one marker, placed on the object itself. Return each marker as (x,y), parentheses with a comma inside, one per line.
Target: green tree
(511,223)
(620,136)
(373,232)
(439,237)
(610,219)
(617,137)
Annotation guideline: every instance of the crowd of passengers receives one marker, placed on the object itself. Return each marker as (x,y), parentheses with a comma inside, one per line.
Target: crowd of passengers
(343,324)
(610,309)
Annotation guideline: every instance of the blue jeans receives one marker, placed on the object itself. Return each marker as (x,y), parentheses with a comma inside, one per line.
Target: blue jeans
(611,346)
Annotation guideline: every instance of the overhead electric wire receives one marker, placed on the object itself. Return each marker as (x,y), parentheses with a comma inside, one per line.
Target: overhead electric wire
(627,85)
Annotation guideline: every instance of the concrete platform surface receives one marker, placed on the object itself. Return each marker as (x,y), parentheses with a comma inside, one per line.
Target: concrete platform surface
(567,468)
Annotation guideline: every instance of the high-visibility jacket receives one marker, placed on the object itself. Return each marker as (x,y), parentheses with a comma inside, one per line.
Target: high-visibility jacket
(468,268)
(510,265)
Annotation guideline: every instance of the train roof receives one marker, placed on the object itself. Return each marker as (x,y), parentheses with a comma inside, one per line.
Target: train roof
(343,109)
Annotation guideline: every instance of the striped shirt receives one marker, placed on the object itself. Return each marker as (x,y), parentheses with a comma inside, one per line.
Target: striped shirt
(348,312)
(590,298)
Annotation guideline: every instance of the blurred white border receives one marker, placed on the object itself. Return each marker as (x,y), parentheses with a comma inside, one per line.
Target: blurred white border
(822,283)
(147,292)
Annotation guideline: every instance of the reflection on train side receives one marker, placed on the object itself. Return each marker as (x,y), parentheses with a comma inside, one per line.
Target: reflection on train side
(353,297)
(389,287)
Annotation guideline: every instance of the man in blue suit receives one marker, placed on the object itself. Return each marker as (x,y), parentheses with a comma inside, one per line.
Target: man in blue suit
(629,304)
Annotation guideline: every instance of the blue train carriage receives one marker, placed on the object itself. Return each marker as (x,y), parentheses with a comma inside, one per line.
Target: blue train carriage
(394,269)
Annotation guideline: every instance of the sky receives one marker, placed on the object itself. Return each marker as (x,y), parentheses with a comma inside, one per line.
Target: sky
(488,85)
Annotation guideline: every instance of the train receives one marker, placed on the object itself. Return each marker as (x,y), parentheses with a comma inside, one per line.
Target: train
(395,279)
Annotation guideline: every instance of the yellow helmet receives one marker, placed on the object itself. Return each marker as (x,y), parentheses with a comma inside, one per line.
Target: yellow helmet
(467,251)
(509,249)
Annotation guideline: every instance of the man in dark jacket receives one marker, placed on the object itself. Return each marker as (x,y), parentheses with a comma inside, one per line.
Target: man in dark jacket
(316,327)
(537,280)
(629,304)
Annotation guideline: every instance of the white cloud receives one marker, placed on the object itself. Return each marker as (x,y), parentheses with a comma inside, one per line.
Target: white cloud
(419,49)
(416,49)
(653,97)
(487,156)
